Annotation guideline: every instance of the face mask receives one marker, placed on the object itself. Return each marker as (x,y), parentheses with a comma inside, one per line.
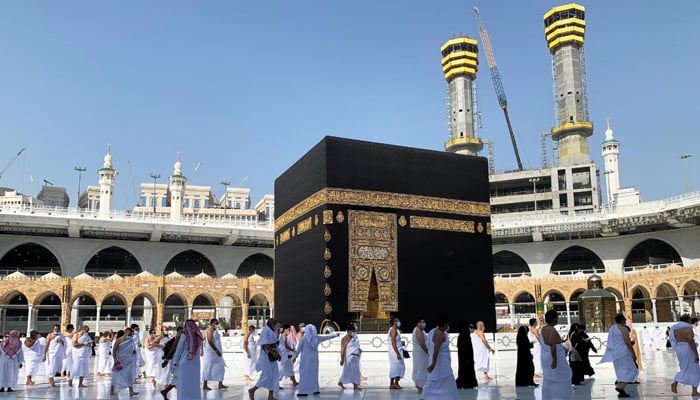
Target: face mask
(398,324)
(303,329)
(447,329)
(354,334)
(422,325)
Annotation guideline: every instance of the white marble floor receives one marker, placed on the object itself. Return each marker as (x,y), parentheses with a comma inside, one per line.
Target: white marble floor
(660,368)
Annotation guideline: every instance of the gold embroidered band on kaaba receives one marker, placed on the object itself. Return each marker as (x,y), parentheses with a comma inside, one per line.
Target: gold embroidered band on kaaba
(382,199)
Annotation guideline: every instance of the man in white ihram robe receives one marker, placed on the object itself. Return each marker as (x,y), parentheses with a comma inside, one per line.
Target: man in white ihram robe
(82,350)
(122,375)
(481,351)
(350,359)
(267,362)
(213,365)
(54,353)
(286,351)
(308,366)
(420,356)
(441,384)
(659,338)
(620,352)
(33,351)
(534,337)
(397,365)
(251,354)
(683,342)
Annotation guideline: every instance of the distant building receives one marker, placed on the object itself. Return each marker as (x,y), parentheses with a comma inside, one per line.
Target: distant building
(53,196)
(9,198)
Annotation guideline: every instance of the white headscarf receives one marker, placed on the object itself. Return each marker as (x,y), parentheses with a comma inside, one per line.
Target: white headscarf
(311,335)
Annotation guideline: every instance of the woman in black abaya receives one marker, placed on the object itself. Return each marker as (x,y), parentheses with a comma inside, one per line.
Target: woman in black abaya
(525,369)
(466,376)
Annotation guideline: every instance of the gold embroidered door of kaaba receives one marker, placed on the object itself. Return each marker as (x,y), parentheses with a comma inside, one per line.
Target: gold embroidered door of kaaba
(372,260)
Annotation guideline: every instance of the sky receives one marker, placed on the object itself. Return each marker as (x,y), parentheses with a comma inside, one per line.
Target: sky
(247,87)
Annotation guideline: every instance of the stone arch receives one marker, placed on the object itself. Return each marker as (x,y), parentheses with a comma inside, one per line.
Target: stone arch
(84,308)
(10,294)
(231,311)
(651,252)
(524,303)
(175,310)
(258,310)
(48,311)
(620,301)
(115,294)
(508,263)
(16,307)
(257,263)
(667,307)
(143,308)
(573,304)
(665,290)
(114,307)
(190,263)
(41,297)
(32,259)
(691,297)
(203,308)
(203,300)
(577,258)
(557,301)
(641,304)
(501,298)
(111,260)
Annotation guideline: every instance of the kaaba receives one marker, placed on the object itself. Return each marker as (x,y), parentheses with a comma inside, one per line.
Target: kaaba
(365,231)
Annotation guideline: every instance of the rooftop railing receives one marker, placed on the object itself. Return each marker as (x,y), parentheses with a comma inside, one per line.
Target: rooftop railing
(128,216)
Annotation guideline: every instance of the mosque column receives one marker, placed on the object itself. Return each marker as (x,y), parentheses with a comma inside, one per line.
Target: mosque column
(97,320)
(653,310)
(681,308)
(66,306)
(511,308)
(160,307)
(30,318)
(244,318)
(189,312)
(128,316)
(568,313)
(65,314)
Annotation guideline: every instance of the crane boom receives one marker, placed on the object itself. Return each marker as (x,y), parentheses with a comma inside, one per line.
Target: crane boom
(9,164)
(497,83)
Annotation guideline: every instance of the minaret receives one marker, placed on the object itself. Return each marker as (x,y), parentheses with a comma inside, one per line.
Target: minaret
(177,191)
(459,64)
(611,150)
(565,29)
(107,181)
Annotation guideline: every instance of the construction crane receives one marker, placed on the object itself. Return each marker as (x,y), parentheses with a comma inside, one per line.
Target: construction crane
(19,153)
(497,83)
(133,184)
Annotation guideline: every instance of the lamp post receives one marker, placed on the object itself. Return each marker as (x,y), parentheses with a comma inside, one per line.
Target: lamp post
(687,177)
(80,174)
(534,189)
(225,183)
(155,179)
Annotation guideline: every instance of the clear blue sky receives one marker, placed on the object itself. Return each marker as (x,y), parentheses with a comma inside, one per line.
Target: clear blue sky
(247,87)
